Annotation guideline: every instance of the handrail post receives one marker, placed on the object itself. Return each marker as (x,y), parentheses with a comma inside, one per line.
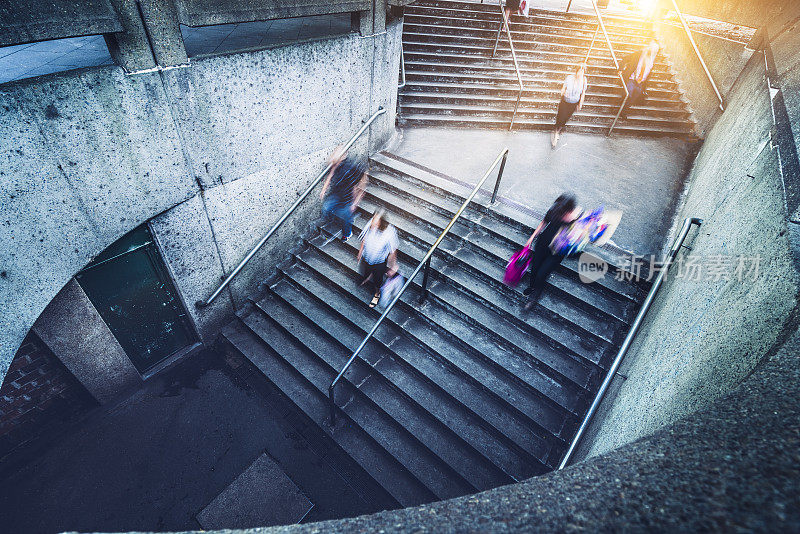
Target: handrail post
(697,53)
(424,263)
(402,68)
(499,177)
(568,4)
(424,293)
(505,24)
(616,64)
(626,344)
(332,405)
(286,214)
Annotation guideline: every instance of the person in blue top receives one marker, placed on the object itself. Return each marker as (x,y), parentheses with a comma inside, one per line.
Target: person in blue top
(343,189)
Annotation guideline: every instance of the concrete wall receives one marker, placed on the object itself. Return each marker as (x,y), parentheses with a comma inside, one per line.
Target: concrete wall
(215,152)
(702,338)
(724,59)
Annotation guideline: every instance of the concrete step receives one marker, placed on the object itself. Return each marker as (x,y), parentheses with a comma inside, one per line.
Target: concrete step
(449,121)
(410,400)
(570,56)
(308,342)
(523,40)
(537,17)
(528,61)
(443,25)
(505,437)
(650,108)
(549,401)
(584,116)
(465,8)
(504,67)
(434,80)
(420,178)
(597,299)
(374,460)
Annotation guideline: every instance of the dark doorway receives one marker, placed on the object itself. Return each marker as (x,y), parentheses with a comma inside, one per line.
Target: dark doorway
(129,286)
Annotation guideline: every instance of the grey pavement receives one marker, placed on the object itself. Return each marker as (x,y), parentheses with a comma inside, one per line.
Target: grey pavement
(642,177)
(156,459)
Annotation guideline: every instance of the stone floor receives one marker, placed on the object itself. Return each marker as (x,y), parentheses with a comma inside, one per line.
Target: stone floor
(158,458)
(642,177)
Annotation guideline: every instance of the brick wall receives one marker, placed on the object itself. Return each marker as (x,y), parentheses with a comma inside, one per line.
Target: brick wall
(38,393)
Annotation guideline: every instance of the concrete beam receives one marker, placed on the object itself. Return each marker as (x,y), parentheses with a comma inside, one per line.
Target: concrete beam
(164,32)
(130,47)
(206,12)
(25,21)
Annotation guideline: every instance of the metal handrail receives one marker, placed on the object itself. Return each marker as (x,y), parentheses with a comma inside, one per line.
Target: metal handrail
(699,56)
(504,23)
(317,180)
(402,69)
(616,65)
(626,344)
(425,262)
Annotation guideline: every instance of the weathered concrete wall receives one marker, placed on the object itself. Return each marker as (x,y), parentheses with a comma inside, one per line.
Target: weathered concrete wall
(724,59)
(773,14)
(73,329)
(702,338)
(88,155)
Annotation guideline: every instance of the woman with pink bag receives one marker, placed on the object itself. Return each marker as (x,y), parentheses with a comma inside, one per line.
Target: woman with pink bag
(561,214)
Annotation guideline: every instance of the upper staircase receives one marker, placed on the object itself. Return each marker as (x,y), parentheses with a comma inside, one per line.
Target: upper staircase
(461,393)
(452,80)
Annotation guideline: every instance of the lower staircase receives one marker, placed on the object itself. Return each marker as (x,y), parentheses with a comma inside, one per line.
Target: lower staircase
(455,395)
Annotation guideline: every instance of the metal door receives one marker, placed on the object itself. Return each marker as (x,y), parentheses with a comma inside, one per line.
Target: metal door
(129,286)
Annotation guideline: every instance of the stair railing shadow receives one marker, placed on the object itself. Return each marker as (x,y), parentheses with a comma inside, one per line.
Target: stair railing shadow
(287,213)
(424,263)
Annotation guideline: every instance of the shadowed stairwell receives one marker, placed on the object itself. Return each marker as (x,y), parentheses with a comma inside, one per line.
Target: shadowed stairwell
(455,395)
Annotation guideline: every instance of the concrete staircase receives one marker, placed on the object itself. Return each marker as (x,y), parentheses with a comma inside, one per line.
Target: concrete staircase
(452,80)
(456,395)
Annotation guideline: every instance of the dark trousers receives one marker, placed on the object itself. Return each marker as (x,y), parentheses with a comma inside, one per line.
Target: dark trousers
(635,95)
(378,271)
(542,265)
(565,111)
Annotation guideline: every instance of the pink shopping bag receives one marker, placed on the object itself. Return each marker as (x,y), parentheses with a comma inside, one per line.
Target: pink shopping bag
(517,266)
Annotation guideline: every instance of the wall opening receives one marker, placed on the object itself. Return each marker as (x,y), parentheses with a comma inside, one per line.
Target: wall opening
(28,60)
(227,38)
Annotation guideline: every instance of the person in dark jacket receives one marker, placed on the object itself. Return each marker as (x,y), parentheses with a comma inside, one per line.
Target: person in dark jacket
(344,187)
(636,69)
(562,213)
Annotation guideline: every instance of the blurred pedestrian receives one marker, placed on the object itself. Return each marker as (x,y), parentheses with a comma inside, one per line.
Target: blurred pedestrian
(572,94)
(379,254)
(636,69)
(344,187)
(562,213)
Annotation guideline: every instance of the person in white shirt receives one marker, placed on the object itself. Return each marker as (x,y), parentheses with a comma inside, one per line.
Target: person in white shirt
(572,94)
(378,252)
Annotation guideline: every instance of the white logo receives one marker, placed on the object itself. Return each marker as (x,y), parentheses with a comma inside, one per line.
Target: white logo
(591,268)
